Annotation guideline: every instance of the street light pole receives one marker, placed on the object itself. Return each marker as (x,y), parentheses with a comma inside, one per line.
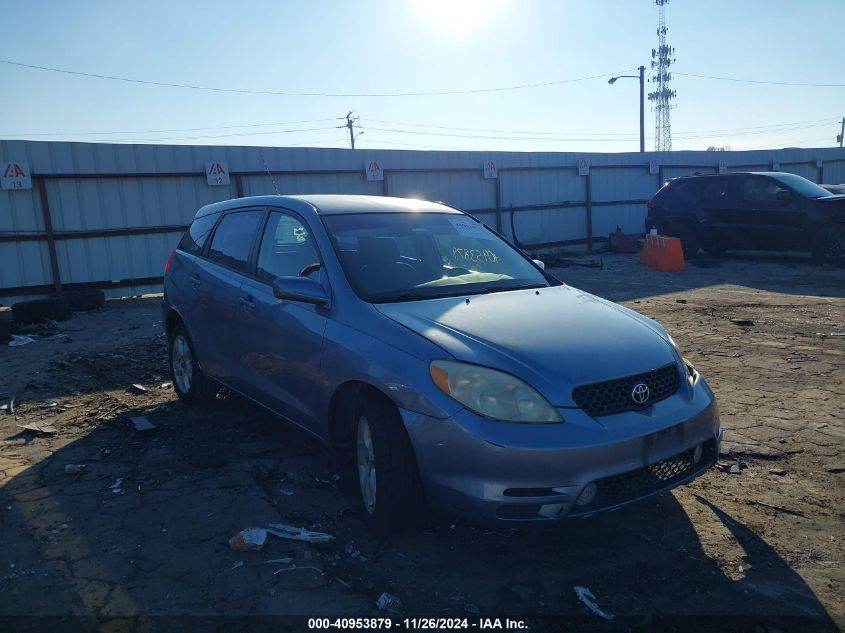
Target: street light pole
(641,77)
(642,109)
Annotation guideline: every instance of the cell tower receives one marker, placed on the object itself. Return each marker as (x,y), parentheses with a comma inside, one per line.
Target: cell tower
(661,58)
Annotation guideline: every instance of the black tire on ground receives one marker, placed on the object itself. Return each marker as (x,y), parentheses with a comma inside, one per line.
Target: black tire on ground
(714,249)
(688,237)
(399,502)
(84,300)
(39,310)
(190,384)
(5,324)
(828,246)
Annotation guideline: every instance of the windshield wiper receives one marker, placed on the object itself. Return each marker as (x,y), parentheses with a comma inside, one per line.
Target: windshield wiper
(489,289)
(403,296)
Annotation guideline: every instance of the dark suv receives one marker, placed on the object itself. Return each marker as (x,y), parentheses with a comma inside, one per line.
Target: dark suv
(756,211)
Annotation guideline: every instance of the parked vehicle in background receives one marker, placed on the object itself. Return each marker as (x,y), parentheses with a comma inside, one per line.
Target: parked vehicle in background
(750,211)
(834,189)
(440,359)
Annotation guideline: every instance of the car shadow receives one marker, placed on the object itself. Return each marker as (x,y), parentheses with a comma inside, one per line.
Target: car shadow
(623,278)
(120,523)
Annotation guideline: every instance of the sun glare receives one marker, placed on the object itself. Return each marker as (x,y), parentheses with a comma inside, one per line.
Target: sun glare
(458,17)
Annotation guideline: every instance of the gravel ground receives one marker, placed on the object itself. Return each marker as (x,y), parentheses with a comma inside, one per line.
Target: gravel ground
(98,519)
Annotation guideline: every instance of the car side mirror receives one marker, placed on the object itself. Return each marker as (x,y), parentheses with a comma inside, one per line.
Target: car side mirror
(301,289)
(783,195)
(541,265)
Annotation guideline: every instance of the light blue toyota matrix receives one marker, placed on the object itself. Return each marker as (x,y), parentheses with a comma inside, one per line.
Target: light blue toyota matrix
(447,366)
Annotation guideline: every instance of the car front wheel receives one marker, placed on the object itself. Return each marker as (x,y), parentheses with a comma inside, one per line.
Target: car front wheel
(829,247)
(388,480)
(189,383)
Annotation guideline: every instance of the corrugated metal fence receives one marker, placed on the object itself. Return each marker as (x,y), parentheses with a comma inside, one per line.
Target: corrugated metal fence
(108,215)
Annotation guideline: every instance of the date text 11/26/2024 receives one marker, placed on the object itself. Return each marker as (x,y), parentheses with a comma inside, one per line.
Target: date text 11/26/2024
(414,624)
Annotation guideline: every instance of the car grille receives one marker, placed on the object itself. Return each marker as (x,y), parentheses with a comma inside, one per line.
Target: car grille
(615,396)
(636,484)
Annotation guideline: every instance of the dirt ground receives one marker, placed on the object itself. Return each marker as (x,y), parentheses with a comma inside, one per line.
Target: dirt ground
(759,538)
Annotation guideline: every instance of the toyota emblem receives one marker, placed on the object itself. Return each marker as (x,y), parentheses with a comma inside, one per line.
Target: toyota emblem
(640,393)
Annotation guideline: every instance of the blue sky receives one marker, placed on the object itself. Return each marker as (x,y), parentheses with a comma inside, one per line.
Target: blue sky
(378,46)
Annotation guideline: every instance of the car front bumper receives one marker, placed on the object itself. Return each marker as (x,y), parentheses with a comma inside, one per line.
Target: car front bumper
(493,471)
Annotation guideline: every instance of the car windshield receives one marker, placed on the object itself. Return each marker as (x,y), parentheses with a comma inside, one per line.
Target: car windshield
(391,257)
(803,186)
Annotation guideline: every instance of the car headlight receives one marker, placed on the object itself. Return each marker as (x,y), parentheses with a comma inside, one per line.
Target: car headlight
(691,371)
(491,393)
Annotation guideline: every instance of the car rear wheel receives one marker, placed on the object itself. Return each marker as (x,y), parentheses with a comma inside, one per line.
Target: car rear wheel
(190,384)
(387,475)
(688,237)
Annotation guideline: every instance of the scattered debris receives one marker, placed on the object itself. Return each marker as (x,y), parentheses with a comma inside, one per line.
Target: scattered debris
(735,469)
(248,540)
(136,388)
(680,300)
(237,563)
(586,596)
(280,561)
(774,507)
(389,602)
(42,426)
(286,492)
(115,487)
(166,385)
(298,534)
(837,469)
(777,471)
(74,469)
(10,407)
(294,568)
(20,339)
(49,405)
(743,322)
(141,423)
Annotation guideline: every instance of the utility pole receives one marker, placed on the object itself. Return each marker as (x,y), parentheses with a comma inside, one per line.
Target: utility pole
(841,136)
(351,123)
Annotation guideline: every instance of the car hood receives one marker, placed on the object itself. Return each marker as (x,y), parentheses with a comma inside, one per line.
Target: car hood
(553,338)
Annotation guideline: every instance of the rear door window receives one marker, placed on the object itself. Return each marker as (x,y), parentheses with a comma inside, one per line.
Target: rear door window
(287,248)
(197,234)
(234,238)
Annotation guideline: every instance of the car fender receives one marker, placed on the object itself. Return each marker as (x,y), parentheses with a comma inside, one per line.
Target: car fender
(401,374)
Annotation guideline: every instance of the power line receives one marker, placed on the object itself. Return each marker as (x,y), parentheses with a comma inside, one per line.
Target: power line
(166,84)
(500,138)
(760,81)
(774,127)
(186,129)
(267,133)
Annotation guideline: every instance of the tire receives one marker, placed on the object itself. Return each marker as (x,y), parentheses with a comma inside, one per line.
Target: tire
(40,310)
(84,300)
(828,247)
(714,249)
(190,384)
(5,325)
(688,237)
(387,476)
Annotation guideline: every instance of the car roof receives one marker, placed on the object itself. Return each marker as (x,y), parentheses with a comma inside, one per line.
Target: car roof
(737,173)
(332,204)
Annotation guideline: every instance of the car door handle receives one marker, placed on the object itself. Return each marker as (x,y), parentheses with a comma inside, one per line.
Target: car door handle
(248,303)
(194,280)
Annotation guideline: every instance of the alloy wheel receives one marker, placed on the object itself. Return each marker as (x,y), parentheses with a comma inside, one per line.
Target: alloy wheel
(182,364)
(366,465)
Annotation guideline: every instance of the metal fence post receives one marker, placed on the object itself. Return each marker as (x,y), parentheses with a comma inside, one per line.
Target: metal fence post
(589,212)
(48,230)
